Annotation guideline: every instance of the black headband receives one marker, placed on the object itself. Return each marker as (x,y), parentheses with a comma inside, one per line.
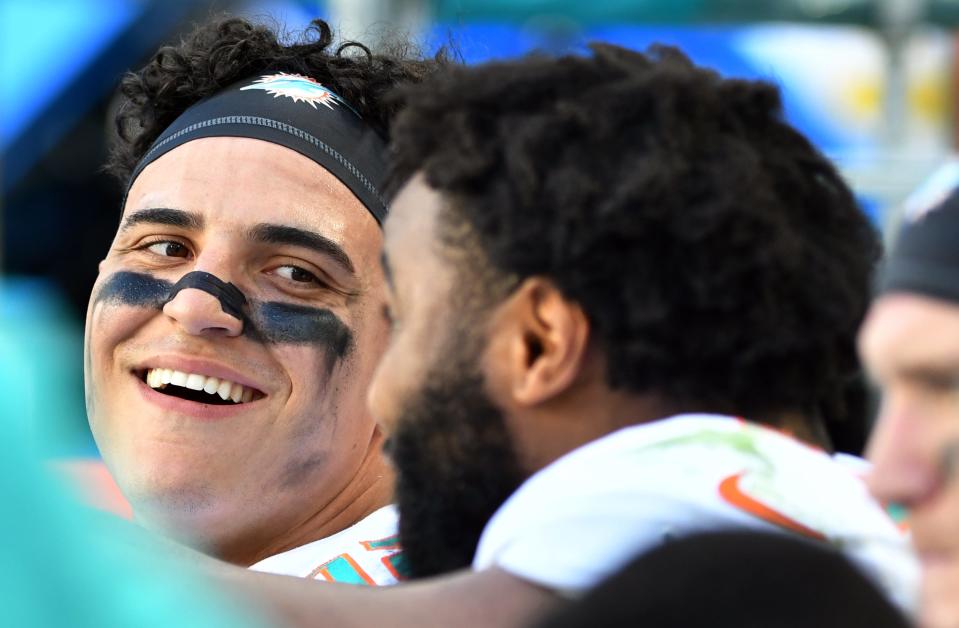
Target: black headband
(293,111)
(925,258)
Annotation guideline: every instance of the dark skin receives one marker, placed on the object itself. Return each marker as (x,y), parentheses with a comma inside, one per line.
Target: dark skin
(541,368)
(541,365)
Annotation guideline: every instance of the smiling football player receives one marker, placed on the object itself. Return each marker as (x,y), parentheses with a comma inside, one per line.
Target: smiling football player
(237,318)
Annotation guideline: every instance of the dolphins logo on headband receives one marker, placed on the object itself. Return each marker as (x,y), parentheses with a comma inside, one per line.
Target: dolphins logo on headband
(299,88)
(338,139)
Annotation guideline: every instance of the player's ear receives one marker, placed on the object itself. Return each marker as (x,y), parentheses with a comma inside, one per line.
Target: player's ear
(542,343)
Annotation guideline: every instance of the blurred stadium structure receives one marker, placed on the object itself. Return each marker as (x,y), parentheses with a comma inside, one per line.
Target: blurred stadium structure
(870,81)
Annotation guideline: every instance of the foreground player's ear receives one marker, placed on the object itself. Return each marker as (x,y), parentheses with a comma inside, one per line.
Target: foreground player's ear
(549,342)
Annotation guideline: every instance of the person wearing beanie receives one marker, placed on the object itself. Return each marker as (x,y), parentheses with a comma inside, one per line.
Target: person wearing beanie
(910,345)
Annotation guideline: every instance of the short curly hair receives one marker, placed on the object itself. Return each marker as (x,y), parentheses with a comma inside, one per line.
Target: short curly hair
(226,49)
(719,257)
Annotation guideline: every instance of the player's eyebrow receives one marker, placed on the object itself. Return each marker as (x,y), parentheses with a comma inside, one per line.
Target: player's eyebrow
(267,233)
(163,216)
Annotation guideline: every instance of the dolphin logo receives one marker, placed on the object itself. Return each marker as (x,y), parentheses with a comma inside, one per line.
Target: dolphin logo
(299,88)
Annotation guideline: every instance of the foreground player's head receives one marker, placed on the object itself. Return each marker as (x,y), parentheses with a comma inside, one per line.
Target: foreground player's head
(236,321)
(587,242)
(910,344)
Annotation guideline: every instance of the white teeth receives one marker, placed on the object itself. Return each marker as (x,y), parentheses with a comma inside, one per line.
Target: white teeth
(211,385)
(160,378)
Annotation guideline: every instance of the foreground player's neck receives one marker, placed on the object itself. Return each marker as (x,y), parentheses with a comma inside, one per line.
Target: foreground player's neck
(543,434)
(592,412)
(809,430)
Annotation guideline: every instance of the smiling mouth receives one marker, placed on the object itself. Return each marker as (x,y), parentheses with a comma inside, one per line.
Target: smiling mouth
(198,388)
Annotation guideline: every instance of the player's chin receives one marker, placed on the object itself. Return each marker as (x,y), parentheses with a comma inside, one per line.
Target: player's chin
(939,600)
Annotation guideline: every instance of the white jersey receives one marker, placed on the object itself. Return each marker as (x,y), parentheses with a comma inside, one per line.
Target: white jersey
(366,553)
(581,518)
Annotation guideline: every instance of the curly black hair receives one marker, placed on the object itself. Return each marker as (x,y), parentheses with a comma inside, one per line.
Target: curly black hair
(720,258)
(227,49)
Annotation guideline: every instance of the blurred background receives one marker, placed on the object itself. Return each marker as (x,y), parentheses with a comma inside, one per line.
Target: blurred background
(871,82)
